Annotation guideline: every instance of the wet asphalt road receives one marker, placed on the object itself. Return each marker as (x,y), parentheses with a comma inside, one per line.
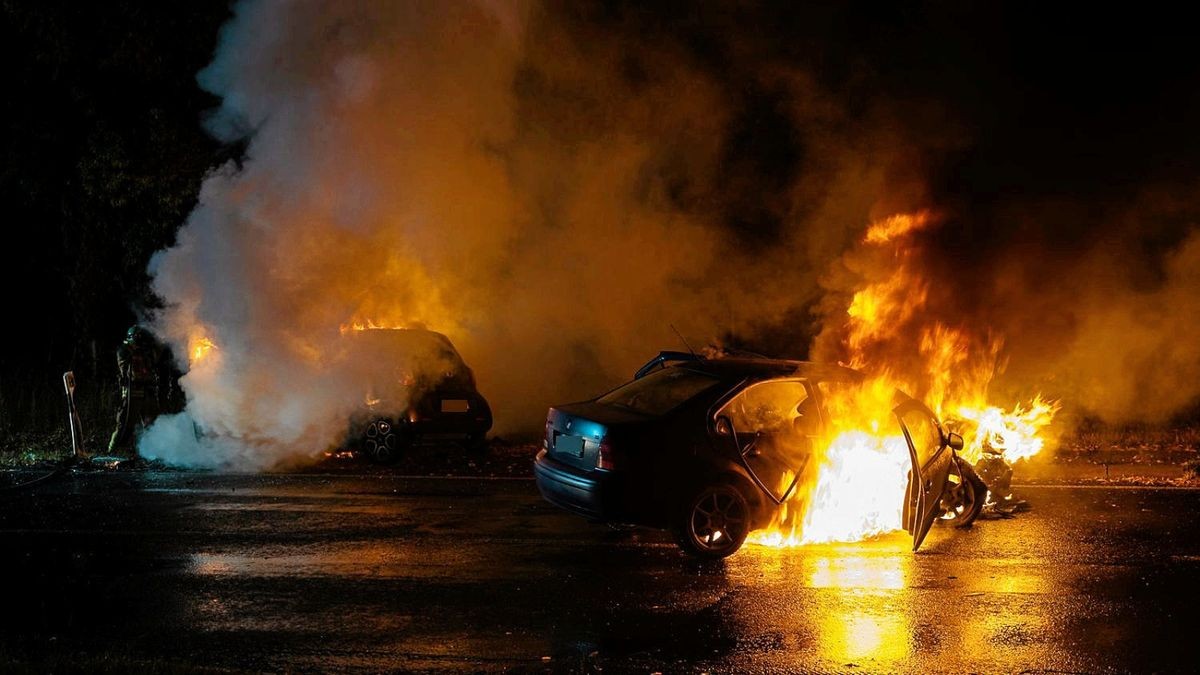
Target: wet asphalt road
(309,572)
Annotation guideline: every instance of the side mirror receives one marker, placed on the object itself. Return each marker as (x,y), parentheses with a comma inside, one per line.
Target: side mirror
(954,441)
(724,427)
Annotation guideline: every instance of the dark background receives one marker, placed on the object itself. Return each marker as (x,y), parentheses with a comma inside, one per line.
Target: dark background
(104,150)
(103,154)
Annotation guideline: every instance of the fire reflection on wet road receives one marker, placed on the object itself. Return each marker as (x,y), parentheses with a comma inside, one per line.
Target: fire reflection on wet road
(323,572)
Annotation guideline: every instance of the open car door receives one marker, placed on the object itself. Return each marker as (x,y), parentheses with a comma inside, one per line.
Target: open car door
(932,460)
(773,425)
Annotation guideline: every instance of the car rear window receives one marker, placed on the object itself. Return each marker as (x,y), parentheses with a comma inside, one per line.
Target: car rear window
(660,392)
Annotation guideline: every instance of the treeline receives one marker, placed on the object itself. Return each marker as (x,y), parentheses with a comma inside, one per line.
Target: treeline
(103,156)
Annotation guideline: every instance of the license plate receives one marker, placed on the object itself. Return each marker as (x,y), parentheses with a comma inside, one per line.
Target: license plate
(569,445)
(455,405)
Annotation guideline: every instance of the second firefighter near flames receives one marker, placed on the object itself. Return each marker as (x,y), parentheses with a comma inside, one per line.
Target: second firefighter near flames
(149,387)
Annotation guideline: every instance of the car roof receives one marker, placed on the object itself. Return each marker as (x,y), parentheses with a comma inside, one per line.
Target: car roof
(412,341)
(400,335)
(758,368)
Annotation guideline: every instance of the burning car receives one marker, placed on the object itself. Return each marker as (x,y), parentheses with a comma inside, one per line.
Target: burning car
(418,391)
(713,449)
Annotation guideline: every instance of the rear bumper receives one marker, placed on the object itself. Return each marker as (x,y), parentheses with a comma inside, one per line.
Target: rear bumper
(596,496)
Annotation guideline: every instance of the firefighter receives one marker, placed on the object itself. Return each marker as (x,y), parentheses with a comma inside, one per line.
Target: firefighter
(141,375)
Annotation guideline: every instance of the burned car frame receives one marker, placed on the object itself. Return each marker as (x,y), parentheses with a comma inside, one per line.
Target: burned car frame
(670,450)
(418,391)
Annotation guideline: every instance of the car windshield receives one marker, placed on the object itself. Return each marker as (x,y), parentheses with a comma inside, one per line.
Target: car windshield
(660,392)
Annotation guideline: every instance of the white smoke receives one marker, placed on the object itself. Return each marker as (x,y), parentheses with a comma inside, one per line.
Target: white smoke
(554,195)
(365,175)
(395,174)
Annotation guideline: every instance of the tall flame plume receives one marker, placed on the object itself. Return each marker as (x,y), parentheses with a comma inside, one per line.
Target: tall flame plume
(854,485)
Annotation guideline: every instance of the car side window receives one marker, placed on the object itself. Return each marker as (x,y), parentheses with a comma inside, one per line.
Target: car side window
(772,407)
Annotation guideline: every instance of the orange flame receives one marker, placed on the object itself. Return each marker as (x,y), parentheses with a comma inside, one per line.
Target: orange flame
(199,348)
(1016,434)
(896,226)
(855,486)
(370,324)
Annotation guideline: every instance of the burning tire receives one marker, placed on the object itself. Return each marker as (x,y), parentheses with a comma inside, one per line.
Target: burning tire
(963,502)
(384,441)
(714,523)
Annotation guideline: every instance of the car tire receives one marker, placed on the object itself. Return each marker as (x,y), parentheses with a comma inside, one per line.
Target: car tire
(714,522)
(384,441)
(969,495)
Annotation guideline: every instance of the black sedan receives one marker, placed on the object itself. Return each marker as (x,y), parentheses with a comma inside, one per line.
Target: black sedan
(667,450)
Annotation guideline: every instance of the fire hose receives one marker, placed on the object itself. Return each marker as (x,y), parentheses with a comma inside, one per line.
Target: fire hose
(61,468)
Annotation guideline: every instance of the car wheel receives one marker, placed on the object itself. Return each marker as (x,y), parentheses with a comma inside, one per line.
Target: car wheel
(963,502)
(384,442)
(714,522)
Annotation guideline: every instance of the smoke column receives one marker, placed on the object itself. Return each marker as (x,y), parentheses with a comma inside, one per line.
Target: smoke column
(553,186)
(407,166)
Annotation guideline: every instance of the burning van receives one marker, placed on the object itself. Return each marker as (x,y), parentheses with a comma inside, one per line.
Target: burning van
(416,390)
(717,449)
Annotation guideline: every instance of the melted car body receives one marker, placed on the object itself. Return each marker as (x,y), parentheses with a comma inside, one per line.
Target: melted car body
(704,448)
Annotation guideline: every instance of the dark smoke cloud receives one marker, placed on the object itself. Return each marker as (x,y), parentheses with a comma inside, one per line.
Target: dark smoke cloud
(554,185)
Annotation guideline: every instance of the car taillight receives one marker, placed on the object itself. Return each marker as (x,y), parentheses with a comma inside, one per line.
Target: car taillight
(604,456)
